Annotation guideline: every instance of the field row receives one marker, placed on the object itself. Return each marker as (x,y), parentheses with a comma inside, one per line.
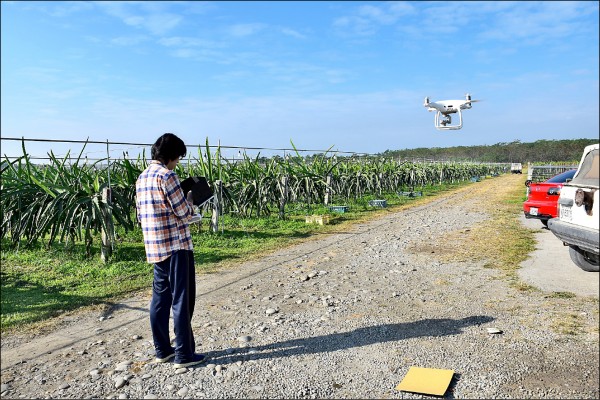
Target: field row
(62,200)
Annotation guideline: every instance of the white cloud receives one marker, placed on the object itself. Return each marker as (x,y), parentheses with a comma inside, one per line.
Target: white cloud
(41,74)
(375,14)
(316,122)
(367,19)
(386,14)
(92,39)
(582,72)
(539,22)
(185,53)
(155,24)
(49,111)
(353,25)
(162,23)
(241,30)
(129,40)
(149,16)
(399,8)
(526,22)
(67,8)
(292,33)
(180,41)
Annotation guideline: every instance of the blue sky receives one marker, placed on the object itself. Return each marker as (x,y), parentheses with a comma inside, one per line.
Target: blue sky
(352,75)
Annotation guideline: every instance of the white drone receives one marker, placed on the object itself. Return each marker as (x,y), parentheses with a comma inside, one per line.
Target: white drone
(443,108)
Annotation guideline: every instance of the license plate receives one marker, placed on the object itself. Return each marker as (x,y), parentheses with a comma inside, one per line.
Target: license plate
(533,211)
(565,213)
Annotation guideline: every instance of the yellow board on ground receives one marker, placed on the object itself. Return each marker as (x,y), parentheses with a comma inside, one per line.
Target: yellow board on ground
(426,380)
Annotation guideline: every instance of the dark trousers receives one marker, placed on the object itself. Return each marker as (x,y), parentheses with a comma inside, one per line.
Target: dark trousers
(174,287)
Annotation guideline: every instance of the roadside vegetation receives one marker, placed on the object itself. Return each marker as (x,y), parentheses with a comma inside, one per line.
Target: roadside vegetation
(69,202)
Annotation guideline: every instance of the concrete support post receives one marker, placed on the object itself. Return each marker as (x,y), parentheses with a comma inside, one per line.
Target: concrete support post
(217,202)
(107,227)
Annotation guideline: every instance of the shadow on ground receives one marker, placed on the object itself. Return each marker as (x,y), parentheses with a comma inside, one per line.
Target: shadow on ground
(356,338)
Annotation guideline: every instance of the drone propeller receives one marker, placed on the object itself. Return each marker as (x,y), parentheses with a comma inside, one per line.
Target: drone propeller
(469,100)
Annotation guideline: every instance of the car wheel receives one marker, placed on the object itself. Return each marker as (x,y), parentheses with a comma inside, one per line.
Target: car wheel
(545,222)
(583,259)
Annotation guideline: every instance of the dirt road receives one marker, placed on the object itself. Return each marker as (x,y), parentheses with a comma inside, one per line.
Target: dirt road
(550,268)
(344,316)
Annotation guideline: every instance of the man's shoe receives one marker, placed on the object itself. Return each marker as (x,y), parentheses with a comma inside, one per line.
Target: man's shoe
(196,359)
(164,359)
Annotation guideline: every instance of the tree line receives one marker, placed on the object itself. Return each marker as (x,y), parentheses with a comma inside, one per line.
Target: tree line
(568,150)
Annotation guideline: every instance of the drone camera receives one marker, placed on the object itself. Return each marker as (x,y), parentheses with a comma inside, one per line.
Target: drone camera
(444,108)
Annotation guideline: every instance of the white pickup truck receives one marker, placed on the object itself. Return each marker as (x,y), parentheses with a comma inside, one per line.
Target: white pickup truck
(516,168)
(577,221)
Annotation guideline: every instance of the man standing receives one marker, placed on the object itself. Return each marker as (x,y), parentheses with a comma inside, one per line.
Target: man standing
(164,213)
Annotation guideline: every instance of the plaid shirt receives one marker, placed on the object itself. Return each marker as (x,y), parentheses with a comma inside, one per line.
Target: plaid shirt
(163,212)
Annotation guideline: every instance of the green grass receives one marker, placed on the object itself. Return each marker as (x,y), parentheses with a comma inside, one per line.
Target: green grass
(39,283)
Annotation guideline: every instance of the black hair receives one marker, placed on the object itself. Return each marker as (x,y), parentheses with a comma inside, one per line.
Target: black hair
(168,147)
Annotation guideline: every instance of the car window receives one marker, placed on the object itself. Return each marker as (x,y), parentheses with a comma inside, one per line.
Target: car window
(561,178)
(589,170)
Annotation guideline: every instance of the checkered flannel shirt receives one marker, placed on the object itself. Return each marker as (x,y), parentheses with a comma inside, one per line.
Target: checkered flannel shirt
(163,212)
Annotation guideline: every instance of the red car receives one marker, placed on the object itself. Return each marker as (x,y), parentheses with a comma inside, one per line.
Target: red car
(543,197)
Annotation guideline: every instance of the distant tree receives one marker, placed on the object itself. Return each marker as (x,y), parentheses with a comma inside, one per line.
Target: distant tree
(568,150)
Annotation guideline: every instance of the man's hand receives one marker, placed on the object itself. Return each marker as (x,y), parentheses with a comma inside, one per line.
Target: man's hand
(190,197)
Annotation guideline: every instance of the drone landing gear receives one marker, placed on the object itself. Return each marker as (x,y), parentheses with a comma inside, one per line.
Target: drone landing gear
(444,121)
